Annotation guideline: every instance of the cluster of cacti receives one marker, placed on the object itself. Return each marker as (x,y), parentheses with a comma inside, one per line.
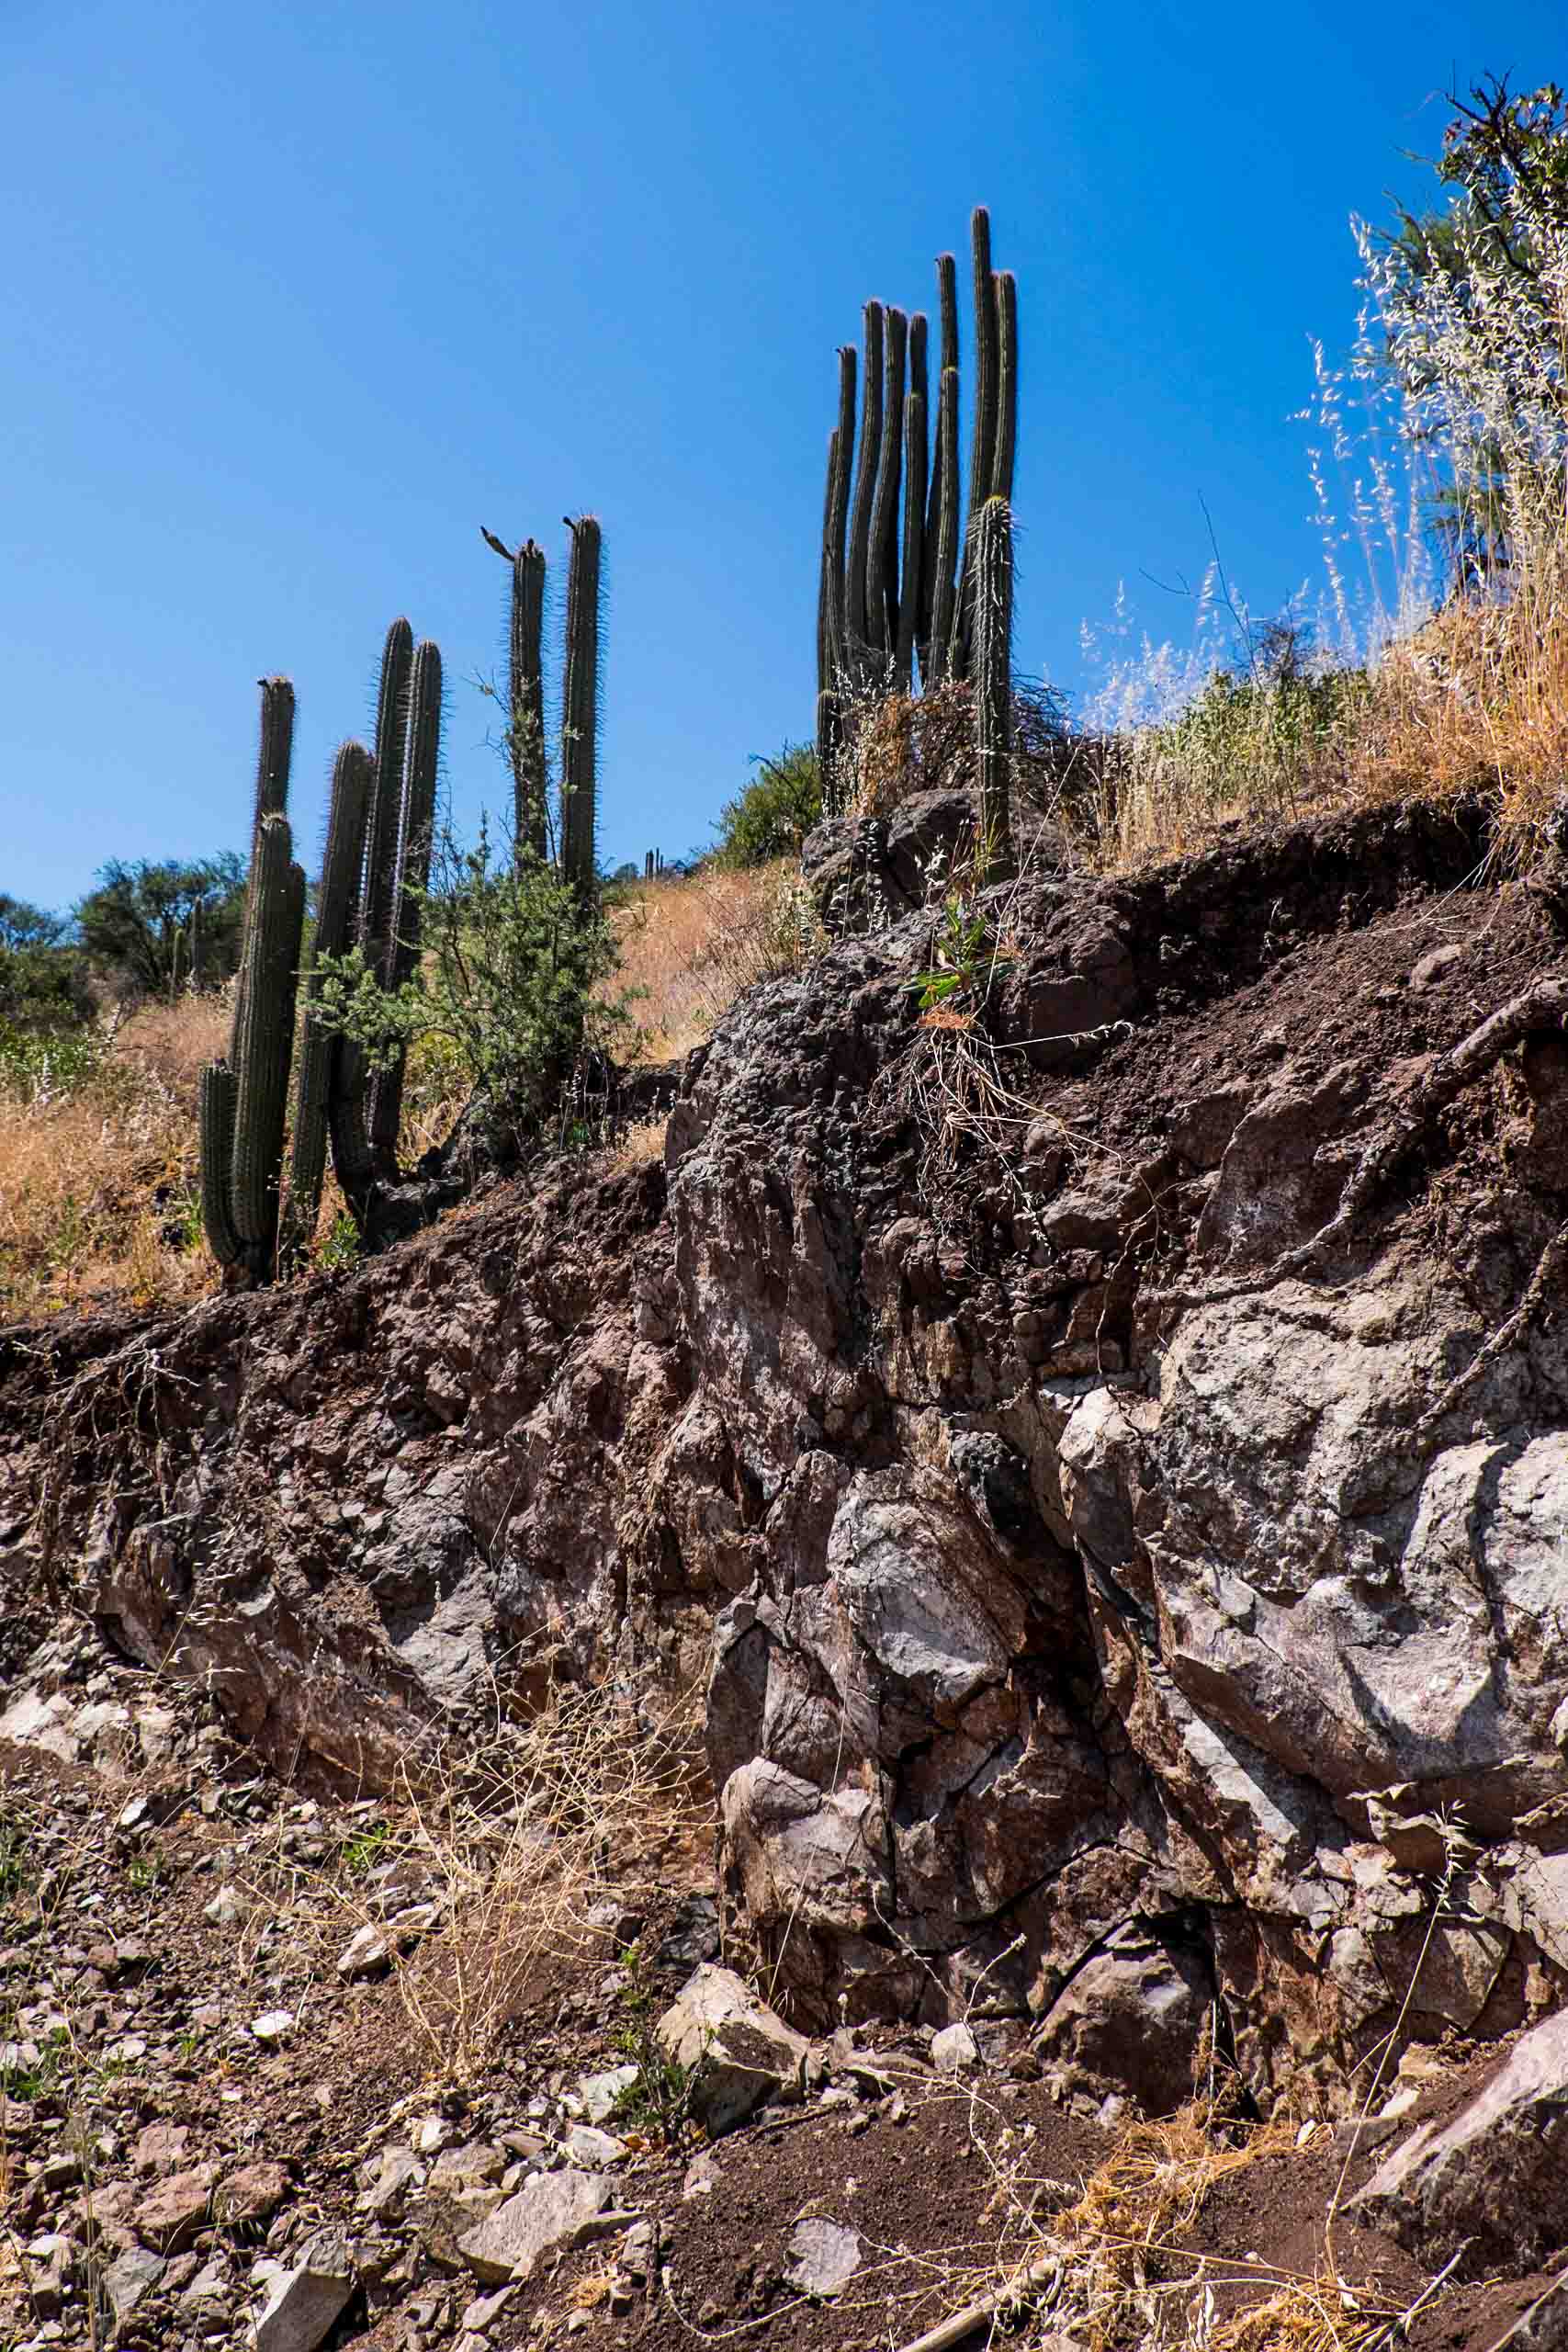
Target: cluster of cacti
(375,871)
(575,842)
(897,578)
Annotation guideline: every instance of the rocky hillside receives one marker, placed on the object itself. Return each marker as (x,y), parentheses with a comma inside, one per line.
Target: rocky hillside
(1102,1460)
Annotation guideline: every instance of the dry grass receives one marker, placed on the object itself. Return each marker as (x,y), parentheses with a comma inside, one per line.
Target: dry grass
(98,1179)
(517,1836)
(689,943)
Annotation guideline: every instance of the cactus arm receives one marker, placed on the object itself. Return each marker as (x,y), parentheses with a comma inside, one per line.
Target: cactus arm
(416,831)
(983,440)
(530,781)
(882,582)
(838,519)
(217,1097)
(916,462)
(992,550)
(1007,384)
(376,902)
(857,607)
(942,553)
(271,800)
(947,309)
(580,711)
(354,778)
(826,649)
(276,918)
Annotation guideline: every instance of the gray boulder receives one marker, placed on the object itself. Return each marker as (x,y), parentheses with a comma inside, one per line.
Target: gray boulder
(737,2052)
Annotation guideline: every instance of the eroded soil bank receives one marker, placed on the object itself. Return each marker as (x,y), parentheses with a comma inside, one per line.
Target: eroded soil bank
(1105,1466)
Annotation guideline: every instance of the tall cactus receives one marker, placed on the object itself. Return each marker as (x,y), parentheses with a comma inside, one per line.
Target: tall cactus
(273,759)
(580,708)
(991,551)
(385,816)
(837,559)
(982,428)
(276,920)
(217,1096)
(830,629)
(916,460)
(882,580)
(412,879)
(1007,385)
(526,715)
(942,552)
(337,904)
(858,588)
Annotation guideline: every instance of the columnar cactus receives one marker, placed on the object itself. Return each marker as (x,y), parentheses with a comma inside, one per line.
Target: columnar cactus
(916,460)
(857,624)
(902,591)
(580,708)
(882,578)
(416,831)
(275,922)
(337,907)
(526,715)
(991,553)
(385,815)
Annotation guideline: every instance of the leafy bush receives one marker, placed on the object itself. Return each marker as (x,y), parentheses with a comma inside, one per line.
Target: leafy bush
(152,928)
(505,988)
(772,815)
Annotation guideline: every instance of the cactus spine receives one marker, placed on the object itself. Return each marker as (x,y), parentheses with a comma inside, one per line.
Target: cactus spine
(530,781)
(580,708)
(992,552)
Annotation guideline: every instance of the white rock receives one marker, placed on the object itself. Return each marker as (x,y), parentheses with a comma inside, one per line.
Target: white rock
(584,2145)
(823,2256)
(600,2094)
(953,2050)
(272,2026)
(551,2209)
(367,1953)
(302,2303)
(736,2051)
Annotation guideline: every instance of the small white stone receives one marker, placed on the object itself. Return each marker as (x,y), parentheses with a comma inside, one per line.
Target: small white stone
(272,2026)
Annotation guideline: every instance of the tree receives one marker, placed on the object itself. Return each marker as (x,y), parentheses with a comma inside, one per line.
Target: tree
(25,925)
(152,928)
(43,984)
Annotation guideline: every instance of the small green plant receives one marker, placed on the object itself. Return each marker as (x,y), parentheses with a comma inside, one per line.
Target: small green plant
(966,952)
(660,2101)
(772,815)
(32,2080)
(13,1864)
(361,1852)
(339,1246)
(147,1872)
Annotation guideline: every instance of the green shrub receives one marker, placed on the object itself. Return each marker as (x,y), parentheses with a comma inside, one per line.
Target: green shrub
(775,812)
(505,991)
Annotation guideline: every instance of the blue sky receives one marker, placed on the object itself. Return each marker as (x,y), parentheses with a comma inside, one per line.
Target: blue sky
(299,296)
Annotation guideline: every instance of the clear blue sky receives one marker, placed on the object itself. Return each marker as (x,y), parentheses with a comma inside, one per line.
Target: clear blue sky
(297,297)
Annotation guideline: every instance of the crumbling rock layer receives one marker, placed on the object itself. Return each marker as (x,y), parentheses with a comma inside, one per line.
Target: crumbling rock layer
(1123,1618)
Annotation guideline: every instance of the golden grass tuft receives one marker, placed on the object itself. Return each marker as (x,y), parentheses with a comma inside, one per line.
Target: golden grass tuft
(98,1182)
(690,943)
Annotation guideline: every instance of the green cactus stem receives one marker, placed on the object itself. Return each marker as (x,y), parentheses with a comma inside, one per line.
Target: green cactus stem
(916,462)
(218,1095)
(828,662)
(337,901)
(983,441)
(882,581)
(839,517)
(274,927)
(580,708)
(1007,384)
(857,608)
(271,800)
(992,565)
(530,782)
(375,924)
(942,549)
(415,833)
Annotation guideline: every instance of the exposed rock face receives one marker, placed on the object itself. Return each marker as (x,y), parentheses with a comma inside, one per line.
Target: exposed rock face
(1490,2187)
(1085,1597)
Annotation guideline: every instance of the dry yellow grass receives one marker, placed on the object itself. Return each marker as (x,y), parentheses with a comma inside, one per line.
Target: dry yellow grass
(97,1182)
(689,943)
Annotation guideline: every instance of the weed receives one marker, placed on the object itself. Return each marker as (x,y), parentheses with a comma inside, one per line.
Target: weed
(361,1852)
(660,2101)
(13,1864)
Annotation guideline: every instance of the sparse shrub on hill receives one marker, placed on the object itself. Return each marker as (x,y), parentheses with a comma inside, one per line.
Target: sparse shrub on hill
(773,815)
